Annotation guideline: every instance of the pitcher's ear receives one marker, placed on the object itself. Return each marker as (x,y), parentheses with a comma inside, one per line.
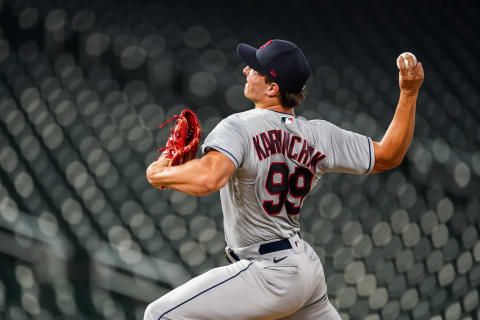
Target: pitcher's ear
(273,89)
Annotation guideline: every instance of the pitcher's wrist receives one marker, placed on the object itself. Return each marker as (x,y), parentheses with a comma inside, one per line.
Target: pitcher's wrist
(409,93)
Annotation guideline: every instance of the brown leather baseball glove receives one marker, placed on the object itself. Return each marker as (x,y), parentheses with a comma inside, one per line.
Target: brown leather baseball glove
(183,143)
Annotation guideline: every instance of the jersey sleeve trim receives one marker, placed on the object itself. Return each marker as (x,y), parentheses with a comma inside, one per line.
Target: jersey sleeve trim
(225,152)
(371,151)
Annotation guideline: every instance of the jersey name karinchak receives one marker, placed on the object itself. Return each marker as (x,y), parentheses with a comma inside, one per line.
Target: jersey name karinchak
(279,159)
(279,141)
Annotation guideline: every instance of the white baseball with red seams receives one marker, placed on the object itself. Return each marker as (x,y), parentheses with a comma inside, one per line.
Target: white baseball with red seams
(404,55)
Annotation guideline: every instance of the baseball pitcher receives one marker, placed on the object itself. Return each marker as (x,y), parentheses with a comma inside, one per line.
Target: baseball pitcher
(265,162)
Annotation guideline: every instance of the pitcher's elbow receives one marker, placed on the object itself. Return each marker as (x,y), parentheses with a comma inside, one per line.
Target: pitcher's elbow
(395,162)
(211,184)
(387,162)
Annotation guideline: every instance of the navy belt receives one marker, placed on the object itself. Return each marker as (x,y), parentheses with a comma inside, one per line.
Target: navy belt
(274,246)
(267,248)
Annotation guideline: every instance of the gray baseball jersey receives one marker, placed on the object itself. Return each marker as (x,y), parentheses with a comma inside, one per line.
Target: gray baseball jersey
(279,159)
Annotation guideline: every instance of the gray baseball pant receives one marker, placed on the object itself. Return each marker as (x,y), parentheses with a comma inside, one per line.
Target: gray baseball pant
(286,284)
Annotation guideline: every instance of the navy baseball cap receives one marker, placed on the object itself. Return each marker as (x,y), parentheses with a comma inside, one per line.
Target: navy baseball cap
(282,60)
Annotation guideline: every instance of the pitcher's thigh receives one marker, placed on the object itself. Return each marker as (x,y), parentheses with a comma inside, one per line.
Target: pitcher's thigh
(317,312)
(231,292)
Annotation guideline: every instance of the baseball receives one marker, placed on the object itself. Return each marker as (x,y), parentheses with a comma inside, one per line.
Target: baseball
(404,55)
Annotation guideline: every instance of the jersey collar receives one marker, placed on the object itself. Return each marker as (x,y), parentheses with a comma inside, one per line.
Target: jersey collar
(288,114)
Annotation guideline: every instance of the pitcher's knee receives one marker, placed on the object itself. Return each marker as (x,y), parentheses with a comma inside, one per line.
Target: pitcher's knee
(147,315)
(153,311)
(162,308)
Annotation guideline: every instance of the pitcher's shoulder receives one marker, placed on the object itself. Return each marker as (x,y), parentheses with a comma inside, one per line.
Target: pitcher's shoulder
(317,122)
(245,116)
(320,124)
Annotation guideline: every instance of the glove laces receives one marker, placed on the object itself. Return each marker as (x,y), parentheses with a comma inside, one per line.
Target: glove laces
(175,117)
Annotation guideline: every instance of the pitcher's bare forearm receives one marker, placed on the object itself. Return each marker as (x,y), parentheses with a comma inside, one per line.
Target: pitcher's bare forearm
(188,176)
(391,150)
(399,134)
(196,177)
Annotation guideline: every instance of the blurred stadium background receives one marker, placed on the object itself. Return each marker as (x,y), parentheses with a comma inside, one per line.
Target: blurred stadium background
(84,85)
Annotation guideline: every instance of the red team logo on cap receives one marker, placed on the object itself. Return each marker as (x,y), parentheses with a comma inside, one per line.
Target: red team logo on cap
(266,44)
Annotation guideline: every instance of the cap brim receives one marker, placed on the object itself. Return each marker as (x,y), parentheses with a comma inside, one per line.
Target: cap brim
(248,55)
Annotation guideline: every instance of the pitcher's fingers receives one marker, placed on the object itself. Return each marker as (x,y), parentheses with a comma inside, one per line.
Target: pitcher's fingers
(401,63)
(411,62)
(419,69)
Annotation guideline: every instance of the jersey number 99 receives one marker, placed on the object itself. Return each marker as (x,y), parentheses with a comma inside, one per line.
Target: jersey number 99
(281,183)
